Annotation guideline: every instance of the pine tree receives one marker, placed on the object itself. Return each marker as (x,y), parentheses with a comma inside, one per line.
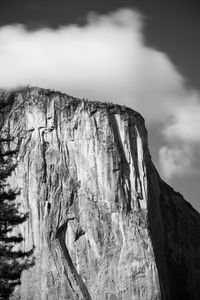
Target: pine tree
(12,260)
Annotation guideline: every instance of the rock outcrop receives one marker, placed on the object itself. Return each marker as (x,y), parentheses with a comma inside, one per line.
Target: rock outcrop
(103,223)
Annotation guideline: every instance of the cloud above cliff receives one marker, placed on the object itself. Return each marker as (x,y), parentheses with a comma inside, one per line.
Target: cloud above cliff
(180,155)
(177,160)
(107,59)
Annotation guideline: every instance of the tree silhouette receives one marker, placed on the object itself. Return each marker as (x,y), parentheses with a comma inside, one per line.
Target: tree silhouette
(13,260)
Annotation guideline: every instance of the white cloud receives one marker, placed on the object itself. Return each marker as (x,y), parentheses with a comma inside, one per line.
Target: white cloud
(182,134)
(106,59)
(177,160)
(185,125)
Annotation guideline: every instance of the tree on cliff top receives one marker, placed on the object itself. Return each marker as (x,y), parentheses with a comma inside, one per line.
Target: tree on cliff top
(12,260)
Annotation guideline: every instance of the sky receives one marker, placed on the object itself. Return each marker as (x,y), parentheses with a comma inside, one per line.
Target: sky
(143,53)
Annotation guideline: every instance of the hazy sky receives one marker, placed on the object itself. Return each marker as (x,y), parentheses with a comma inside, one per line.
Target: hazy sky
(144,54)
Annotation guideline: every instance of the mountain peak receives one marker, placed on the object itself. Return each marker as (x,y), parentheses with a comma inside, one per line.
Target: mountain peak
(104,225)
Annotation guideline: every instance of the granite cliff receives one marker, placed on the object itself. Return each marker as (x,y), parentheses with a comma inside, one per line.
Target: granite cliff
(103,223)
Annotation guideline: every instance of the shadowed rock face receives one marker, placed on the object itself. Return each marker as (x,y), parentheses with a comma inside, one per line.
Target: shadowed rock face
(105,226)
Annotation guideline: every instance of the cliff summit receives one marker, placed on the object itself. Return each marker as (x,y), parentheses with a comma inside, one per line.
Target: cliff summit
(103,223)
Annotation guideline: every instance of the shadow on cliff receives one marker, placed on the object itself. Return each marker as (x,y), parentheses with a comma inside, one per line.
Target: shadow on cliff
(175,232)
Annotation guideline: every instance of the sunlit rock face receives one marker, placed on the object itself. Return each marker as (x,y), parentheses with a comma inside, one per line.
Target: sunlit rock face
(103,223)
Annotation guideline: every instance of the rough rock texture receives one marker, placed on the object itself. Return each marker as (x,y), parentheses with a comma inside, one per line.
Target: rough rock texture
(105,226)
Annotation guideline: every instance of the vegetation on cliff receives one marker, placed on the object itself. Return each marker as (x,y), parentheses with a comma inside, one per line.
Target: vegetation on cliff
(13,260)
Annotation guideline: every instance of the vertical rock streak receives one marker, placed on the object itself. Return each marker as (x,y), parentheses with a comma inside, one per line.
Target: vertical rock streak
(61,232)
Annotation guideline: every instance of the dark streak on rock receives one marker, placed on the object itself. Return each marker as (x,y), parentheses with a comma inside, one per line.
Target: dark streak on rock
(124,178)
(61,232)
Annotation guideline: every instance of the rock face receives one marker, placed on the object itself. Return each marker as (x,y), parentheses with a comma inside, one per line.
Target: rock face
(103,223)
